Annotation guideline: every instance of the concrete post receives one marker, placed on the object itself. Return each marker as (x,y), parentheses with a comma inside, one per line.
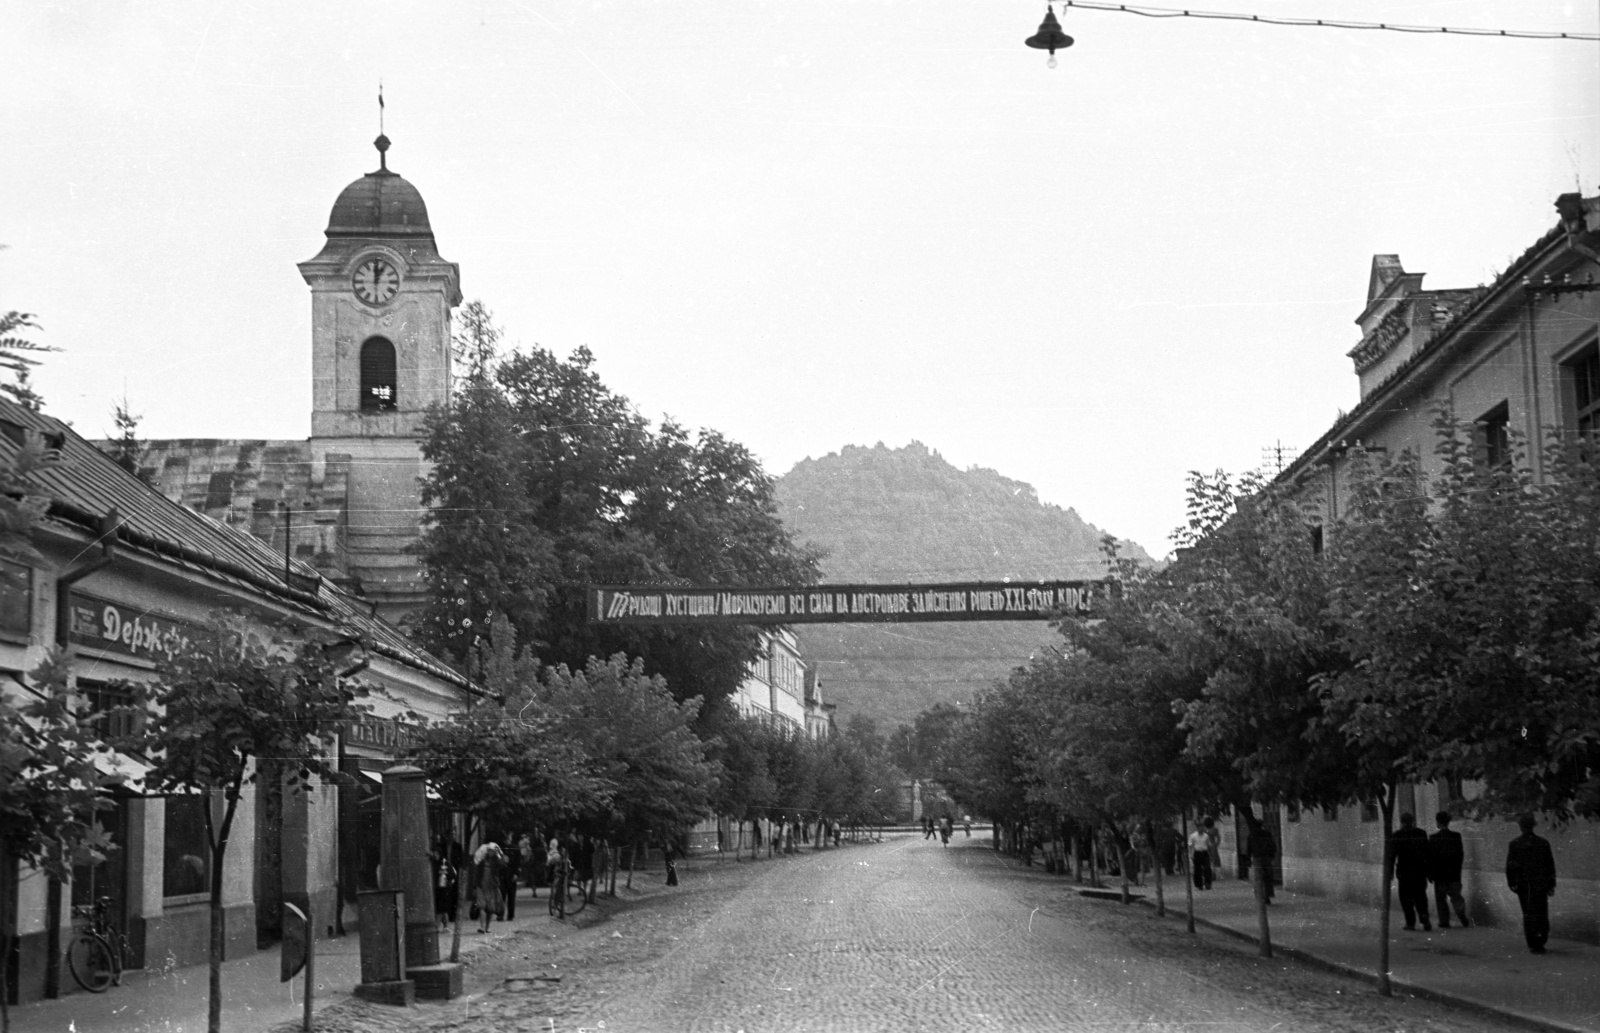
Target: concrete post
(405,859)
(406,867)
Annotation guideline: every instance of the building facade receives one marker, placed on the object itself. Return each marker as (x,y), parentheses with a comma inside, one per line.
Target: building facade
(126,578)
(1519,358)
(774,687)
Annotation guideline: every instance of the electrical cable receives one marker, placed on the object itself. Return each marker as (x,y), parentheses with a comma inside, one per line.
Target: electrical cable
(1323,23)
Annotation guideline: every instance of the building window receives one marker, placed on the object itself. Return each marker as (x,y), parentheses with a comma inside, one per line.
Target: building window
(1316,539)
(1494,437)
(1330,814)
(1369,810)
(377,376)
(186,869)
(16,601)
(109,709)
(1582,376)
(1291,811)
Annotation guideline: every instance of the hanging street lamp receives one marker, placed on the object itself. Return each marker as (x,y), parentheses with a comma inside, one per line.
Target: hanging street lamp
(1049,37)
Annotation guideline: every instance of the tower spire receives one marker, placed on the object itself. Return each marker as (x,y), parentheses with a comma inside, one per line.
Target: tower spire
(382,142)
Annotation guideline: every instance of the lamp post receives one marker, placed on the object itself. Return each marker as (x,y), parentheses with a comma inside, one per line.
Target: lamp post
(1049,37)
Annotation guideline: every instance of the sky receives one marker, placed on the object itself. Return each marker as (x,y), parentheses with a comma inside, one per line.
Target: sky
(805,224)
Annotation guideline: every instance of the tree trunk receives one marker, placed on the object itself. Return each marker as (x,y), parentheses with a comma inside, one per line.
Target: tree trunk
(1259,874)
(633,852)
(5,958)
(1384,913)
(219,851)
(1187,868)
(1161,898)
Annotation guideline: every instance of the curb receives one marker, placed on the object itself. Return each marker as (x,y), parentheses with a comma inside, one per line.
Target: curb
(1483,1008)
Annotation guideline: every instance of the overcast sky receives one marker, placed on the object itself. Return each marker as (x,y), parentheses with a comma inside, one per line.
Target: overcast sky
(804,223)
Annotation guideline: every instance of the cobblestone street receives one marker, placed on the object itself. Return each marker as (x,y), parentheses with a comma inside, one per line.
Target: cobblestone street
(903,935)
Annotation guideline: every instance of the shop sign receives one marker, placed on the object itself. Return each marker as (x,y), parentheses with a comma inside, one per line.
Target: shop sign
(388,734)
(842,604)
(123,629)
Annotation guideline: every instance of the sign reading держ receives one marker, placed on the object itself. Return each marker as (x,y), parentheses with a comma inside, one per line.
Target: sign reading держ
(121,629)
(842,604)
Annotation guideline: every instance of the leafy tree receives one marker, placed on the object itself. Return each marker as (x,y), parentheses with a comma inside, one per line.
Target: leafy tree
(501,760)
(15,350)
(544,481)
(638,741)
(51,790)
(227,706)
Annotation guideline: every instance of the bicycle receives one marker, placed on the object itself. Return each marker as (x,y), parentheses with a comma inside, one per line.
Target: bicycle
(563,881)
(95,954)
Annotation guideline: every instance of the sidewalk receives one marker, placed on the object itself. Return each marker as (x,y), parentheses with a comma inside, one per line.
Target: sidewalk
(253,1000)
(1487,970)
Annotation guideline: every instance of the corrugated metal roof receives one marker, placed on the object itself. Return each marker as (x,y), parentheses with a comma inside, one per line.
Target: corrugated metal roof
(89,483)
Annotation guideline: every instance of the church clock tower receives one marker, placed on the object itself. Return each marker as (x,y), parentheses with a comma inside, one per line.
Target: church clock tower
(380,357)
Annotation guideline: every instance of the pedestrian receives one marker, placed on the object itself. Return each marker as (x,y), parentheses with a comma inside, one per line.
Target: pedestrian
(509,871)
(446,858)
(946,826)
(1445,855)
(552,857)
(927,827)
(1409,854)
(1531,874)
(966,823)
(1200,853)
(488,860)
(1213,842)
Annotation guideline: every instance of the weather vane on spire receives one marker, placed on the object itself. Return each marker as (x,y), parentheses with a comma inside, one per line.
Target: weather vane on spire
(382,142)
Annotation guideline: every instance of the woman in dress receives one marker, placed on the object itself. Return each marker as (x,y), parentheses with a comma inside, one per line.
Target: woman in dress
(489,860)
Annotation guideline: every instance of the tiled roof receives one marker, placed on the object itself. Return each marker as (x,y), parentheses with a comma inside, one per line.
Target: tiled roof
(88,484)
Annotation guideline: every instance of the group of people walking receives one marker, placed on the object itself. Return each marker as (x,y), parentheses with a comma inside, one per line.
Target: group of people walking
(1420,859)
(497,871)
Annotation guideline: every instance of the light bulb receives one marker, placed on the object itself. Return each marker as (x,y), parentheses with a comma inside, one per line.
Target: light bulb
(1051,63)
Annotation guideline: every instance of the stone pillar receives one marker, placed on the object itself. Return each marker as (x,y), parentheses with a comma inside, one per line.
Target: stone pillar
(405,866)
(405,859)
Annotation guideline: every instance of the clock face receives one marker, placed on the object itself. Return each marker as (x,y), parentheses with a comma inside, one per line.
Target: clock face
(376,281)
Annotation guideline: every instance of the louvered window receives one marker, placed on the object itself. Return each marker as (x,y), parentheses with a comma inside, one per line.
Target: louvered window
(377,376)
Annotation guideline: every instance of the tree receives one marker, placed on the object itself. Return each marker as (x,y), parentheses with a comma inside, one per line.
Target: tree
(638,741)
(226,706)
(475,340)
(501,760)
(543,481)
(14,356)
(51,789)
(127,448)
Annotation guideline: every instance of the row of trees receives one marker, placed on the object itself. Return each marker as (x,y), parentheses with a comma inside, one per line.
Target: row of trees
(1440,627)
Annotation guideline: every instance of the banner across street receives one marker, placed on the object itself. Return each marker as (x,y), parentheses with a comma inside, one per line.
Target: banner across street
(843,604)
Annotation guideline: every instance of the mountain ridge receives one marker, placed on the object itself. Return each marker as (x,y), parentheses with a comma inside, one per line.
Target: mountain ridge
(885,515)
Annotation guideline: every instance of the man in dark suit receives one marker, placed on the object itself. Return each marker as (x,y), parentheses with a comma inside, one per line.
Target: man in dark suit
(1531,873)
(1408,848)
(1445,855)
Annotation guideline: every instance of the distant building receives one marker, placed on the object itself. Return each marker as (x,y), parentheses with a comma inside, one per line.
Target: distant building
(347,499)
(1520,355)
(819,715)
(774,686)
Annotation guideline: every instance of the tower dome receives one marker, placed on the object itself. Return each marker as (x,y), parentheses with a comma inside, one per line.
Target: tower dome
(379,204)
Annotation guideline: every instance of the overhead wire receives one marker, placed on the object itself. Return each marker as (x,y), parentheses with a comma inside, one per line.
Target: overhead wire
(1324,23)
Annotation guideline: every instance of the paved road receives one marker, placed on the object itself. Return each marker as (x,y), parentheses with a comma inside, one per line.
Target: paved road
(909,935)
(901,936)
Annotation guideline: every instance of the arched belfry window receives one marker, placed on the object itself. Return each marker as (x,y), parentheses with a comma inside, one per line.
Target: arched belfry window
(378,392)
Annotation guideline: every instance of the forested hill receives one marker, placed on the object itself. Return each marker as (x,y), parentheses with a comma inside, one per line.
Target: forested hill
(898,515)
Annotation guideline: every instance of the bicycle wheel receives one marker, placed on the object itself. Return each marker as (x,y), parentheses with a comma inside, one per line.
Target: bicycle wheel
(582,901)
(91,962)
